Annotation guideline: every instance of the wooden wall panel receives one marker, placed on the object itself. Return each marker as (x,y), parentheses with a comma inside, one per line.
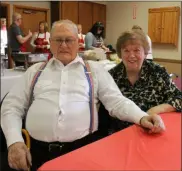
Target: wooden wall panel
(99,13)
(85,15)
(69,10)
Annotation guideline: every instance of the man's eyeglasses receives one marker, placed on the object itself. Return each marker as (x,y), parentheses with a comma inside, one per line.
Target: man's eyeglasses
(68,42)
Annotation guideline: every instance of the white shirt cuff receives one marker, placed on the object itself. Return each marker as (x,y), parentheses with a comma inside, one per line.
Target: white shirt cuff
(13,137)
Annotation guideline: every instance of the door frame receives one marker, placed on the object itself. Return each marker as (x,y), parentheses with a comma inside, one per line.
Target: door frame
(31,8)
(7,12)
(47,11)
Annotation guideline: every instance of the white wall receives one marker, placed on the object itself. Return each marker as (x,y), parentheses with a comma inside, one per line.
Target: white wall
(119,19)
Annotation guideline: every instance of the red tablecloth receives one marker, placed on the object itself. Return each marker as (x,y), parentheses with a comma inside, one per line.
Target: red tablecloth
(130,149)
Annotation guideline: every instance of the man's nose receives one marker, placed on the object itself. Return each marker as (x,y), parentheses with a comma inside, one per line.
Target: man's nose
(63,44)
(132,53)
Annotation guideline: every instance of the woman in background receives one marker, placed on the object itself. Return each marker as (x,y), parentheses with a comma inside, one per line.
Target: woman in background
(94,38)
(81,38)
(40,40)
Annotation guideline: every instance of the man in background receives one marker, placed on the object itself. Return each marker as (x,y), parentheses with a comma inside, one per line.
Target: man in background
(149,56)
(17,40)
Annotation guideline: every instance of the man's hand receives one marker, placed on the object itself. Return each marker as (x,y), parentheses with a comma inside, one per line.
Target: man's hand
(152,123)
(19,156)
(29,33)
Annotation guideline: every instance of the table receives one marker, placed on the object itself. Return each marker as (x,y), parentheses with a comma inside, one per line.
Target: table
(10,78)
(129,149)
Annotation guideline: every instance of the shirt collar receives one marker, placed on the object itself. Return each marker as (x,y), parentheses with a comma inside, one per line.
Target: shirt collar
(78,59)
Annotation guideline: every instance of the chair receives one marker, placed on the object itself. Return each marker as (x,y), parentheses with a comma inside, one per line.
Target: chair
(177,80)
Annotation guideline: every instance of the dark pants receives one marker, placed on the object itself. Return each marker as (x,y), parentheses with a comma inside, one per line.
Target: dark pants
(42,152)
(109,125)
(17,63)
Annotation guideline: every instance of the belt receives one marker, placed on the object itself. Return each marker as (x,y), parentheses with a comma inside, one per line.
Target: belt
(63,146)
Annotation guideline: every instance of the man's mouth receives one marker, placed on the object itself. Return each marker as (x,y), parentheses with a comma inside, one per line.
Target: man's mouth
(63,52)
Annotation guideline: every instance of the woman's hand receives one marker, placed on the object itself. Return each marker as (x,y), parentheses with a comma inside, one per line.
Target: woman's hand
(38,46)
(162,108)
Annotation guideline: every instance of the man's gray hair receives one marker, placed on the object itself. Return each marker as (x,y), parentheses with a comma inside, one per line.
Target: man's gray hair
(15,16)
(68,23)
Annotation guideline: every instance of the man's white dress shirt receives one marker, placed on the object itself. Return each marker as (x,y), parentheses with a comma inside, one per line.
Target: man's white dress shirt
(60,110)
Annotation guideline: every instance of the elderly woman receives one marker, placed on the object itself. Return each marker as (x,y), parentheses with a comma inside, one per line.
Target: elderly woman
(144,82)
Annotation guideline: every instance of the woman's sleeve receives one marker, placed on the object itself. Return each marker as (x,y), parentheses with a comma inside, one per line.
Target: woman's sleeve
(89,41)
(33,40)
(84,40)
(172,95)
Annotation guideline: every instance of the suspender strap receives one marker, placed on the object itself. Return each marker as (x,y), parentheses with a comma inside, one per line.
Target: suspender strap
(34,81)
(91,94)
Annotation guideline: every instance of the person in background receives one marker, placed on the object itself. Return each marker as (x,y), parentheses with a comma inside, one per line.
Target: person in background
(81,38)
(94,38)
(149,56)
(146,83)
(17,39)
(40,40)
(68,114)
(4,36)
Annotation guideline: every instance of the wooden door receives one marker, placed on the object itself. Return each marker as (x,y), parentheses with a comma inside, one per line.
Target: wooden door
(55,11)
(170,20)
(154,26)
(99,13)
(85,15)
(31,18)
(69,10)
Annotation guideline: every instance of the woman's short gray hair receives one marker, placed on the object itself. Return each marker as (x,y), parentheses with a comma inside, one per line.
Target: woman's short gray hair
(68,23)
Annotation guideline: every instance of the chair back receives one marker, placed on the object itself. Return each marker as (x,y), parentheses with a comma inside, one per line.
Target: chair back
(177,80)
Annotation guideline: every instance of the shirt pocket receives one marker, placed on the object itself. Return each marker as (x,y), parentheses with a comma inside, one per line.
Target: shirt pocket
(43,86)
(79,90)
(43,83)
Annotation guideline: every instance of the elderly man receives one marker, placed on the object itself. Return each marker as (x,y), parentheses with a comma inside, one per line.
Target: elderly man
(63,114)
